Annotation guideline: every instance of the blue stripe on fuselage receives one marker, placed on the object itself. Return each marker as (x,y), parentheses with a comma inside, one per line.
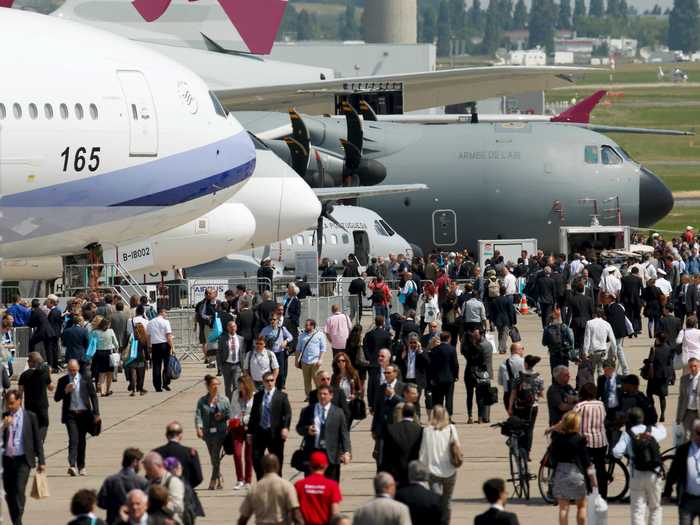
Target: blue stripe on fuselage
(162,182)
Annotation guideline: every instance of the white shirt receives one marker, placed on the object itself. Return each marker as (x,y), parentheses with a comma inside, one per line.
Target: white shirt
(410,364)
(610,283)
(663,285)
(233,349)
(611,393)
(158,328)
(139,319)
(517,364)
(320,414)
(261,362)
(435,450)
(509,282)
(693,394)
(76,402)
(576,267)
(658,432)
(598,333)
(690,339)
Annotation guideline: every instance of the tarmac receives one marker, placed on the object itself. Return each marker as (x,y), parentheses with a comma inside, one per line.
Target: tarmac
(140,421)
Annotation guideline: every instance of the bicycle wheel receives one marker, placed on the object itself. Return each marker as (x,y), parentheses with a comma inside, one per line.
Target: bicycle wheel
(514,472)
(544,483)
(524,474)
(618,479)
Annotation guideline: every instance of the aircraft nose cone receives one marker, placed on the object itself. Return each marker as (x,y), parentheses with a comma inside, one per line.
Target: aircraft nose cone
(655,199)
(300,207)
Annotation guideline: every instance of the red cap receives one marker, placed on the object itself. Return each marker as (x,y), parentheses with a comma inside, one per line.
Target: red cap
(318,459)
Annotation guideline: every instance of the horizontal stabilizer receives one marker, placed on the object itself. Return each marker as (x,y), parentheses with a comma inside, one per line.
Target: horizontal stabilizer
(342,193)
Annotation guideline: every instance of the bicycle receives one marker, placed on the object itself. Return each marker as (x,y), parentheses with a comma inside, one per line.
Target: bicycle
(517,458)
(617,473)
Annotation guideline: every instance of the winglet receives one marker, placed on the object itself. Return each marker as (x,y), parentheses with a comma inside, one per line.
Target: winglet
(257,22)
(6,3)
(580,113)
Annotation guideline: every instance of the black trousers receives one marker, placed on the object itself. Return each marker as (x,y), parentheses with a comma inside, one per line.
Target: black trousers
(530,415)
(15,474)
(34,340)
(442,394)
(282,376)
(483,411)
(77,425)
(264,441)
(160,354)
(545,312)
(51,345)
(597,456)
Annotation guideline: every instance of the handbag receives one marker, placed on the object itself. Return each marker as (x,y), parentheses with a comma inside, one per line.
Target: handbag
(358,409)
(174,367)
(480,375)
(647,370)
(40,486)
(299,461)
(515,336)
(216,329)
(95,428)
(115,359)
(456,457)
(306,344)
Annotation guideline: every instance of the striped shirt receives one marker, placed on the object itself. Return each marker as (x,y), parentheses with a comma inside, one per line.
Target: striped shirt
(592,423)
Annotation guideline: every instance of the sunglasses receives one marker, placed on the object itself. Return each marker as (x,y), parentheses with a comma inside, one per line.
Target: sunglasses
(342,361)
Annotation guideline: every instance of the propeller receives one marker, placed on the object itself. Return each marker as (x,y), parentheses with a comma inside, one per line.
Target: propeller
(367,111)
(357,170)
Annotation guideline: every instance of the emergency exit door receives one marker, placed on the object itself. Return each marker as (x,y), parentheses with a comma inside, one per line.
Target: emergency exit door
(141,113)
(444,227)
(361,240)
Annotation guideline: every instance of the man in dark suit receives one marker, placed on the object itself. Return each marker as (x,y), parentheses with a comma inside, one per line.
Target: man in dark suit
(546,294)
(245,320)
(409,326)
(631,297)
(33,384)
(424,505)
(187,456)
(389,394)
(268,428)
(338,395)
(115,488)
(413,362)
(374,341)
(677,475)
(79,412)
(323,427)
(22,449)
(443,371)
(580,312)
(55,318)
(495,492)
(42,329)
(263,312)
(683,304)
(401,445)
(229,357)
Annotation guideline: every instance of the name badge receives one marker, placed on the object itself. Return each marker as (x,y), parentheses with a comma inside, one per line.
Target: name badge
(212,430)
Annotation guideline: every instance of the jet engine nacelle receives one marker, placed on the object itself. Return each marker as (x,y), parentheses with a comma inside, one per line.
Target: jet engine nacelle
(32,269)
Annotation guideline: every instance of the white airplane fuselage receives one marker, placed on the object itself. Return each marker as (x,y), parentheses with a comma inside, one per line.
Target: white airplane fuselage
(104,141)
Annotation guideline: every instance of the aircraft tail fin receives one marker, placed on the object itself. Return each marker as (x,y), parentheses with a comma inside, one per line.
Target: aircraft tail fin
(580,113)
(6,3)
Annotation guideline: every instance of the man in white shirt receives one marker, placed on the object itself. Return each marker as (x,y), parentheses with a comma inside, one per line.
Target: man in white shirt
(509,281)
(597,338)
(645,483)
(260,361)
(510,369)
(337,329)
(688,404)
(663,284)
(610,283)
(160,339)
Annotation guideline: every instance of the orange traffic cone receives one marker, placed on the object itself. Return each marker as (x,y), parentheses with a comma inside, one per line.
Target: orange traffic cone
(523,305)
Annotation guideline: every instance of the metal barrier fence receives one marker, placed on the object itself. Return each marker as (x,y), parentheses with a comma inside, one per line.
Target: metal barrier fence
(21,337)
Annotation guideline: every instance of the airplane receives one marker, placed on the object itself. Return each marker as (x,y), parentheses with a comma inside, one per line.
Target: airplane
(141,148)
(676,75)
(487,181)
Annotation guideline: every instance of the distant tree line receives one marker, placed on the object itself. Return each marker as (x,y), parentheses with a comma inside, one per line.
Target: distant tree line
(443,22)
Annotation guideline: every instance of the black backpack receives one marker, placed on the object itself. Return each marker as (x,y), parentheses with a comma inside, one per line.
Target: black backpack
(555,338)
(378,296)
(645,451)
(526,394)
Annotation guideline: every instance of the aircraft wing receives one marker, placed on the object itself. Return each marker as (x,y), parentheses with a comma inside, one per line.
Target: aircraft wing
(638,131)
(334,194)
(420,90)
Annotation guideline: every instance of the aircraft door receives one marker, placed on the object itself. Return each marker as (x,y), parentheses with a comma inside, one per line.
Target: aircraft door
(141,112)
(444,228)
(361,240)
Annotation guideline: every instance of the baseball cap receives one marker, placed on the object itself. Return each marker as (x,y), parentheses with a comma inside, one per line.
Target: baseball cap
(318,459)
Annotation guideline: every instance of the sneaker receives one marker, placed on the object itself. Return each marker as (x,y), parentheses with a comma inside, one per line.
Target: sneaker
(239,485)
(72,471)
(83,471)
(246,487)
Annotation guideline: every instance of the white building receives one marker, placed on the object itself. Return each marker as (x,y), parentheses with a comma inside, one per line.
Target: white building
(527,57)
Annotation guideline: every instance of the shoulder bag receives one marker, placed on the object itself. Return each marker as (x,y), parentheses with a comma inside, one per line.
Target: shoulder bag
(678,361)
(456,457)
(306,344)
(647,370)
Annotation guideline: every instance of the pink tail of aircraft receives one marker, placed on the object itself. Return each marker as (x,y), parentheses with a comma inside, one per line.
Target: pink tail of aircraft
(6,3)
(580,113)
(257,21)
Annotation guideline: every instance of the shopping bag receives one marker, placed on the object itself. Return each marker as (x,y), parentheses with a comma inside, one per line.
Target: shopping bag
(115,359)
(133,351)
(40,486)
(174,367)
(596,508)
(92,347)
(216,329)
(492,339)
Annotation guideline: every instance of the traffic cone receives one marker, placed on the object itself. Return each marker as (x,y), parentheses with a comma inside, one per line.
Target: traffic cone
(523,305)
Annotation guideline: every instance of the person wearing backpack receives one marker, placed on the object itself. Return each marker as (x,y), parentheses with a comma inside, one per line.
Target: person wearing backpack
(380,296)
(559,340)
(640,443)
(527,389)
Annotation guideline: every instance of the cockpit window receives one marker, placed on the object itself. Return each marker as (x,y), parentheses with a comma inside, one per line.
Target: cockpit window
(626,156)
(591,154)
(380,229)
(388,228)
(259,144)
(218,108)
(609,156)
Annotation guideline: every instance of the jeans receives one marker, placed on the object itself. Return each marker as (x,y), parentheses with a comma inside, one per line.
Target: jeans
(231,373)
(160,354)
(382,310)
(503,335)
(76,425)
(356,308)
(214,443)
(645,498)
(239,445)
(282,361)
(621,361)
(444,487)
(688,510)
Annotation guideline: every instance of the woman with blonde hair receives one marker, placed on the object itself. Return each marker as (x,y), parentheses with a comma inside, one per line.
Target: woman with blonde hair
(107,343)
(241,407)
(436,454)
(572,464)
(137,367)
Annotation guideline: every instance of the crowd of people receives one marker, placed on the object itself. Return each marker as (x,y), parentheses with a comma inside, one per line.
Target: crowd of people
(401,373)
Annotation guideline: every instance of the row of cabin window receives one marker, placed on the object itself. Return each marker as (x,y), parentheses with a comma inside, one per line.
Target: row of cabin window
(33,111)
(334,240)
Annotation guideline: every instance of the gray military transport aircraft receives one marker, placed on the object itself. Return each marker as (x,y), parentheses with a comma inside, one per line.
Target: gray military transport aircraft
(486,181)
